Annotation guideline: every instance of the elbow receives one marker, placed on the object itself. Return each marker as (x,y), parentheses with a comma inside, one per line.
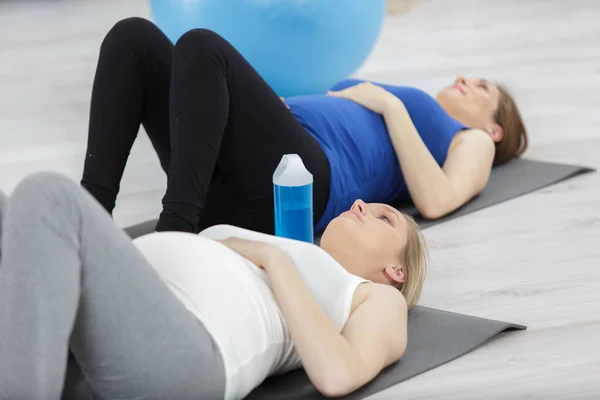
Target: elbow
(433,210)
(435,203)
(332,391)
(438,204)
(335,385)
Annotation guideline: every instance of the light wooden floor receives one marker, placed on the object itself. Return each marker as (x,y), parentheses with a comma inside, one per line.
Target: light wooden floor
(534,260)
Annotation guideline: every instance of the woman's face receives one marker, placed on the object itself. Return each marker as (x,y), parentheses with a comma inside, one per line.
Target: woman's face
(368,241)
(472,101)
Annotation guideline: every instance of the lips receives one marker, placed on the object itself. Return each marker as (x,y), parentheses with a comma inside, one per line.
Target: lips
(460,89)
(357,215)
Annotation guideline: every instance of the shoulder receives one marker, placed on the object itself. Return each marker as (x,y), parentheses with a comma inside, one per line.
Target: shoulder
(389,295)
(387,299)
(474,139)
(384,310)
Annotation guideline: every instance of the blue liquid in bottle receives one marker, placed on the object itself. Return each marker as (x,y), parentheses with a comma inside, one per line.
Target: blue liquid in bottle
(293,197)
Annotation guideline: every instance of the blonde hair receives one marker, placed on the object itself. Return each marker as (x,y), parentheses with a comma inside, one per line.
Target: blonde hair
(414,260)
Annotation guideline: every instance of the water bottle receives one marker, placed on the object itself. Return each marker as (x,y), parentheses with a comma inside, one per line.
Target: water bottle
(293,194)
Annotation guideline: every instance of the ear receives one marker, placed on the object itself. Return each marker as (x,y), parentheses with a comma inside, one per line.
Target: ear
(496,132)
(395,272)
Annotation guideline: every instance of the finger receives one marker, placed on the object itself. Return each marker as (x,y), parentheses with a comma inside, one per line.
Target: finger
(340,93)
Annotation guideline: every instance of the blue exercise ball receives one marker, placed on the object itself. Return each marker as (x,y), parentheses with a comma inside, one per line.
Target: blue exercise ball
(298,46)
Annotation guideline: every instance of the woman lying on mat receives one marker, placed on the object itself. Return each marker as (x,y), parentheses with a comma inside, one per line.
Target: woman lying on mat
(187,316)
(220,131)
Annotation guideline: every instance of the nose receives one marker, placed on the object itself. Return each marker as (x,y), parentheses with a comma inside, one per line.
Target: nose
(460,80)
(359,206)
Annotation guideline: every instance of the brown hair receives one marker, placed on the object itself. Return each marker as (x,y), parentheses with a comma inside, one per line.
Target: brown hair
(514,141)
(414,259)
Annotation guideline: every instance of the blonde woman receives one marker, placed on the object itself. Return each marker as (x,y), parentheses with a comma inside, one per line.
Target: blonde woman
(196,316)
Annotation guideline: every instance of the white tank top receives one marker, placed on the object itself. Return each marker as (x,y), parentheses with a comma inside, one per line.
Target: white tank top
(232,298)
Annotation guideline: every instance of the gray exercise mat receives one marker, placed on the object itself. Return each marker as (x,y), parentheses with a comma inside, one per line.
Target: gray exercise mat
(435,337)
(515,178)
(140,229)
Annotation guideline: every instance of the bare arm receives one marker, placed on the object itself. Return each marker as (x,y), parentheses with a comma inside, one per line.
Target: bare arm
(437,191)
(336,363)
(339,363)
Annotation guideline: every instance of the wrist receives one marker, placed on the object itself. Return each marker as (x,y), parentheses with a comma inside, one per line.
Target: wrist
(270,254)
(392,106)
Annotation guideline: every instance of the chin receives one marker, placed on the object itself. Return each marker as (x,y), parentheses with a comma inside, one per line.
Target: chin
(340,229)
(450,100)
(332,227)
(449,93)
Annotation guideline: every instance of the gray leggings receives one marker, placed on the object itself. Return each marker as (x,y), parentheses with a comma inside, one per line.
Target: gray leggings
(71,279)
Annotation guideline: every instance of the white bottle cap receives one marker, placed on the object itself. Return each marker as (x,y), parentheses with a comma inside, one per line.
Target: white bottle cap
(292,172)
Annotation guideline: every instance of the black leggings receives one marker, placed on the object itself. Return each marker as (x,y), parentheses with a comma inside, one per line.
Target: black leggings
(218,128)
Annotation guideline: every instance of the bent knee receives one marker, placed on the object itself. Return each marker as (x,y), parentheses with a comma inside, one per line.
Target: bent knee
(129,32)
(199,40)
(44,188)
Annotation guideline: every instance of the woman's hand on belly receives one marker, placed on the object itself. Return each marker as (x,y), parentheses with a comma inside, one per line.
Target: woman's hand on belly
(254,251)
(370,96)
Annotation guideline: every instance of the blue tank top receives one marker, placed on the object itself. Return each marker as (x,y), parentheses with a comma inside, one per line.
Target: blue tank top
(355,140)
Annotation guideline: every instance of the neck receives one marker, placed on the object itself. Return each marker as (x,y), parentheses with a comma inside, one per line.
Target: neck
(341,257)
(452,112)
